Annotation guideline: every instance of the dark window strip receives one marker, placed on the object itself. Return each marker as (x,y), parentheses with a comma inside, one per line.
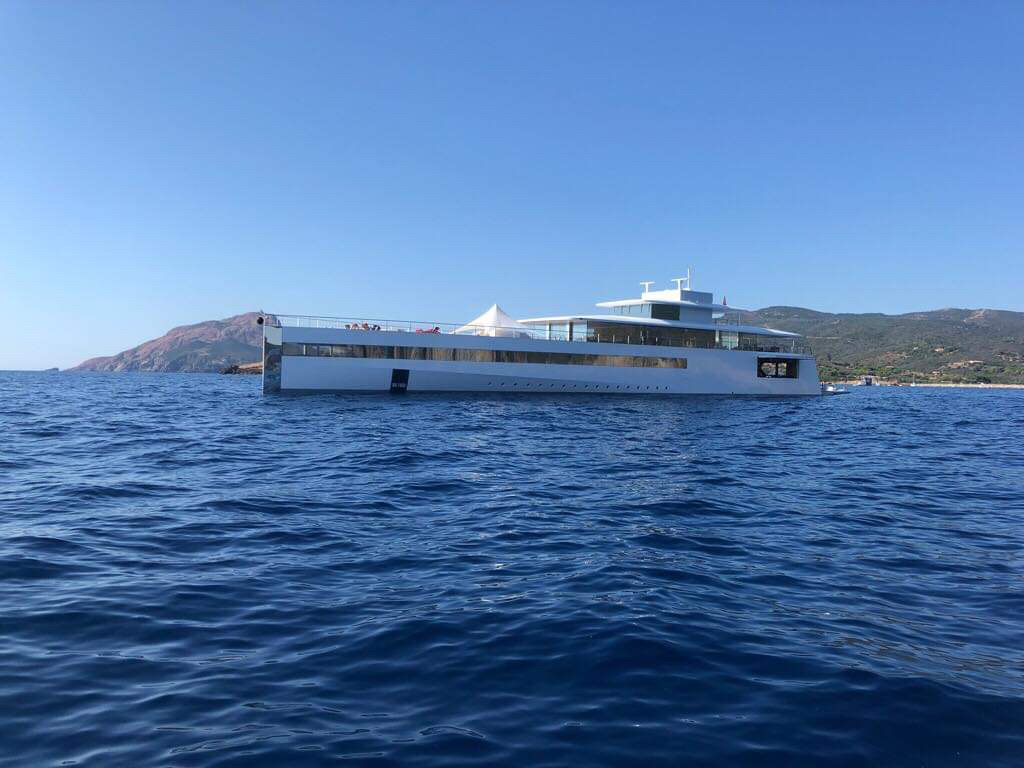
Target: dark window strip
(468,355)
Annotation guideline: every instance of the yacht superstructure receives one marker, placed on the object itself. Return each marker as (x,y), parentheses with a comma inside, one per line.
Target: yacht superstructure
(672,341)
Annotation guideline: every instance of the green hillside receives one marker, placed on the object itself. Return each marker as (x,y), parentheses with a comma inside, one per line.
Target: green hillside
(948,345)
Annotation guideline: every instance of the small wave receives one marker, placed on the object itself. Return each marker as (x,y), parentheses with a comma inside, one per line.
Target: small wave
(192,574)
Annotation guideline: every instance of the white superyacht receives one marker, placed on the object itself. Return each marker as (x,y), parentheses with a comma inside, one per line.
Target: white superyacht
(667,342)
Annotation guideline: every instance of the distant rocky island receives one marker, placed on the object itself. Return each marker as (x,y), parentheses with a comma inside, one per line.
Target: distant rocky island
(207,347)
(971,346)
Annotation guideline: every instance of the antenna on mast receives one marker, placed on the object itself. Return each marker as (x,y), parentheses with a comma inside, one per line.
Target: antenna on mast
(680,280)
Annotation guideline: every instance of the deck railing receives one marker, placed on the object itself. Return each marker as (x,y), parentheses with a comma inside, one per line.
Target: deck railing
(769,344)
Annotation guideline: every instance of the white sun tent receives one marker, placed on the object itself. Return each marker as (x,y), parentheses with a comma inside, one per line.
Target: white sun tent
(494,322)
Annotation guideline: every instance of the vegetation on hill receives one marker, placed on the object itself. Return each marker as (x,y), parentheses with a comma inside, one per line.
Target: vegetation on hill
(252,369)
(944,345)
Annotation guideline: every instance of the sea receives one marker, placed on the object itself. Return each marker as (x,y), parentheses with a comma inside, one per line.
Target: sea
(193,574)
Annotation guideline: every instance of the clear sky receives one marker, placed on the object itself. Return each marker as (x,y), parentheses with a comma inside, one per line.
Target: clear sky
(166,163)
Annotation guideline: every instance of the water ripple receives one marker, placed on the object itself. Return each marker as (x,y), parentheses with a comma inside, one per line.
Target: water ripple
(193,575)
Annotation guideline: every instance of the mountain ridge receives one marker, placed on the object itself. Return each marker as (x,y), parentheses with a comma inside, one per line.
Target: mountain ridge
(942,345)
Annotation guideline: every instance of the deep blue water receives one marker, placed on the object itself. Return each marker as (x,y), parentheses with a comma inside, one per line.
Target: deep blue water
(194,575)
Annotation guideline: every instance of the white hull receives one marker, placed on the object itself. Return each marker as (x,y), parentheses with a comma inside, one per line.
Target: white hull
(707,371)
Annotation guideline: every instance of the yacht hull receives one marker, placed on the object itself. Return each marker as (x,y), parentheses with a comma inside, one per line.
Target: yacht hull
(607,368)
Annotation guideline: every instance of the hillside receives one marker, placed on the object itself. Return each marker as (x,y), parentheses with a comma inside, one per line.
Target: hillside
(959,345)
(201,348)
(950,345)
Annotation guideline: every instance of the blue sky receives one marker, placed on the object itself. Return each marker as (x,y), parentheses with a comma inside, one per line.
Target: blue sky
(165,163)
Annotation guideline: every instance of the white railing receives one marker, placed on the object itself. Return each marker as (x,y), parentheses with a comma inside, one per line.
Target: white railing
(409,326)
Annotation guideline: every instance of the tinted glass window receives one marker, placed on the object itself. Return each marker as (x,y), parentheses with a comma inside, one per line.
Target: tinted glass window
(778,368)
(665,311)
(472,355)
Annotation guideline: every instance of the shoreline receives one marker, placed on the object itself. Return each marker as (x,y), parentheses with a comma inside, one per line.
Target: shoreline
(941,384)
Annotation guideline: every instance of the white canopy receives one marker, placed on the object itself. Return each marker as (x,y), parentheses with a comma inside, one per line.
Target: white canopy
(494,322)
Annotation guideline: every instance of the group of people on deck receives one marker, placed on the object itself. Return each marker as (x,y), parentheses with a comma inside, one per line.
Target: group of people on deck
(368,327)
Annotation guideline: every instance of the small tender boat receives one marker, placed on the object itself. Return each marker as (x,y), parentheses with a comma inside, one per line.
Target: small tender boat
(832,389)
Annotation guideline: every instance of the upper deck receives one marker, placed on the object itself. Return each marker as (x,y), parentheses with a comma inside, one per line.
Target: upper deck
(573,332)
(677,317)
